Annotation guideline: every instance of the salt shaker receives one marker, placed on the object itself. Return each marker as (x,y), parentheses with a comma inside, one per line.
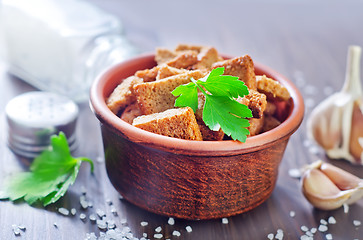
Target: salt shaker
(61,46)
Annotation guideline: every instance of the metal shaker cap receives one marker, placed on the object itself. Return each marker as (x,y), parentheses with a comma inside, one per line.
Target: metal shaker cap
(34,116)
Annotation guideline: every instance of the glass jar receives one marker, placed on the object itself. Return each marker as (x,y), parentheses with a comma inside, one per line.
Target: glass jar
(61,46)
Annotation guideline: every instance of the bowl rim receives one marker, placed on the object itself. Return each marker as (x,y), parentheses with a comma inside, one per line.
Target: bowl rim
(212,148)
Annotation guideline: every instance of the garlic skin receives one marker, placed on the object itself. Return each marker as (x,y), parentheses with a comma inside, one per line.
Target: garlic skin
(327,187)
(336,124)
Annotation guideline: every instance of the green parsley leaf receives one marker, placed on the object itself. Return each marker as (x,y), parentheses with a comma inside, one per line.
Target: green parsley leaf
(220,110)
(51,173)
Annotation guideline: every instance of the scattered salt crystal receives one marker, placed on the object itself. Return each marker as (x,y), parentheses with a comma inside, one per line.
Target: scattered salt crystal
(144,235)
(158,235)
(331,220)
(16,230)
(99,159)
(111,224)
(82,216)
(176,233)
(304,237)
(292,214)
(108,201)
(91,236)
(143,224)
(114,211)
(120,197)
(308,233)
(357,223)
(322,221)
(189,229)
(83,202)
(171,221)
(90,204)
(55,225)
(101,224)
(329,236)
(83,190)
(304,228)
(323,228)
(313,230)
(73,211)
(123,221)
(270,236)
(294,173)
(158,229)
(92,217)
(225,220)
(280,234)
(100,213)
(63,211)
(346,208)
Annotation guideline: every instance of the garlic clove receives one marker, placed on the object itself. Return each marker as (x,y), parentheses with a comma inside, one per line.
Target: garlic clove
(328,187)
(321,192)
(336,124)
(342,179)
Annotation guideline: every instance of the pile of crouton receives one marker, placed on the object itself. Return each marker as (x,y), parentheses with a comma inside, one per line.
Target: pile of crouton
(145,99)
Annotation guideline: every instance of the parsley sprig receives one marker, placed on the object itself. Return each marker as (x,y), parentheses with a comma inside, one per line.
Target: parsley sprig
(50,175)
(221,110)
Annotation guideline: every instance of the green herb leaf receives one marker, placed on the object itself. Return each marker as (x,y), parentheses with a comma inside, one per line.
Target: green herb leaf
(220,110)
(51,173)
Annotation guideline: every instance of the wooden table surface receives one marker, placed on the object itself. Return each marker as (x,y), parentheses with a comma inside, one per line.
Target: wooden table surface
(307,41)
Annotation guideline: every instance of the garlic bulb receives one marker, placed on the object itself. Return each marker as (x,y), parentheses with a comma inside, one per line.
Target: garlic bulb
(336,124)
(327,187)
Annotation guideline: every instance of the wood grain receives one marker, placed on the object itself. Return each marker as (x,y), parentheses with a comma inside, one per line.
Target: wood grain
(307,41)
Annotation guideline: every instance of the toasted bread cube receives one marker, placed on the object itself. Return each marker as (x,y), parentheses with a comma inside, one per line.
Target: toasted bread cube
(154,97)
(270,109)
(241,67)
(272,88)
(163,55)
(255,101)
(167,71)
(270,123)
(184,60)
(130,113)
(206,58)
(178,123)
(123,94)
(256,125)
(148,75)
(187,47)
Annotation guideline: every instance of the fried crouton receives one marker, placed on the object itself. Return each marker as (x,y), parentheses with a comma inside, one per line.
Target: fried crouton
(163,55)
(178,123)
(123,94)
(188,47)
(255,101)
(130,113)
(272,88)
(241,67)
(167,71)
(270,123)
(256,125)
(156,96)
(148,75)
(206,58)
(184,60)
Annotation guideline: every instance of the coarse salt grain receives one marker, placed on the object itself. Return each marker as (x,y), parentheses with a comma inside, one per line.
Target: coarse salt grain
(294,173)
(171,221)
(313,230)
(158,235)
(292,214)
(322,221)
(144,224)
(329,236)
(73,211)
(346,208)
(280,234)
(100,213)
(323,228)
(55,225)
(304,237)
(304,228)
(176,233)
(63,211)
(144,235)
(82,216)
(331,220)
(158,229)
(270,236)
(92,217)
(189,229)
(225,220)
(356,223)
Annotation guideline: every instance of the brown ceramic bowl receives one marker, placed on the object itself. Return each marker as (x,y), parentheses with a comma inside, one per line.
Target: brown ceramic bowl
(191,179)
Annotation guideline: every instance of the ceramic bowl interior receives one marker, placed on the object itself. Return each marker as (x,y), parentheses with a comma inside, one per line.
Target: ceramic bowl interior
(191,179)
